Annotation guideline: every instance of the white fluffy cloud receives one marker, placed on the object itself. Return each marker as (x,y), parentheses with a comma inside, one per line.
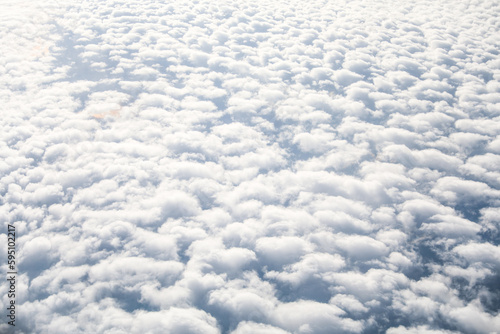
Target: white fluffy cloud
(264,167)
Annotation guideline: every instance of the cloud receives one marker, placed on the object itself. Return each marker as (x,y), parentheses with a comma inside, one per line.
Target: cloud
(479,253)
(175,320)
(311,266)
(418,329)
(277,251)
(309,316)
(252,327)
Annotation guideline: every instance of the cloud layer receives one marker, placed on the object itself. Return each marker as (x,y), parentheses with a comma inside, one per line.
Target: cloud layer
(266,167)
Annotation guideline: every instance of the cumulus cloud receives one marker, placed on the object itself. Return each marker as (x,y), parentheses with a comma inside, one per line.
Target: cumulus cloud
(262,167)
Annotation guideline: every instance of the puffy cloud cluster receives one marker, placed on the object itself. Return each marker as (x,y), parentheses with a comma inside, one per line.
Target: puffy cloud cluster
(265,167)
